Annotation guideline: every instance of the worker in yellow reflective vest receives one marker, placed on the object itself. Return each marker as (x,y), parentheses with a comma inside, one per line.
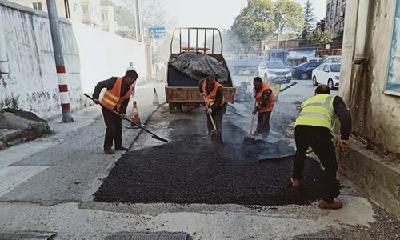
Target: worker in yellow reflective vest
(119,91)
(314,127)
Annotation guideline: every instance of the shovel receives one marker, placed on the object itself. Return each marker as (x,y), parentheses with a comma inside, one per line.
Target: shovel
(132,122)
(250,136)
(215,135)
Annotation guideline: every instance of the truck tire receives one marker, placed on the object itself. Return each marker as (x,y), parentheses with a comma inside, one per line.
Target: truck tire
(179,107)
(172,107)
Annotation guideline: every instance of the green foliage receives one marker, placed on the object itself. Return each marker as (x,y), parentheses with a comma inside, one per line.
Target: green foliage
(289,16)
(309,19)
(318,37)
(254,23)
(262,19)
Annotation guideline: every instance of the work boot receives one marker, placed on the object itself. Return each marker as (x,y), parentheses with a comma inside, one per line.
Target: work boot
(295,182)
(109,151)
(121,148)
(330,205)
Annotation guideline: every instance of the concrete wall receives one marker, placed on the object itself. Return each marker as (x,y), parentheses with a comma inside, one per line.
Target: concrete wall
(32,80)
(376,115)
(90,56)
(104,54)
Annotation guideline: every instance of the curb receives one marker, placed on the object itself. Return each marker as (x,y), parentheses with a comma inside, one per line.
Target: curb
(376,178)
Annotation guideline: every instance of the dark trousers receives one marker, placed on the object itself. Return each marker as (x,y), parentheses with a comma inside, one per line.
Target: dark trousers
(263,126)
(217,116)
(113,129)
(320,140)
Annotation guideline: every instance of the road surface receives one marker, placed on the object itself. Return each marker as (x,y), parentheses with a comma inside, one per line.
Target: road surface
(64,185)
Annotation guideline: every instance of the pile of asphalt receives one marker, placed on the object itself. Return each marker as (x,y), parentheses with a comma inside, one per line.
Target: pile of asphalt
(190,169)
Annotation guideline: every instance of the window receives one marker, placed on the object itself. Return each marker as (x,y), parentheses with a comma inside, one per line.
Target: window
(326,68)
(335,68)
(104,16)
(315,64)
(76,6)
(37,6)
(85,9)
(393,81)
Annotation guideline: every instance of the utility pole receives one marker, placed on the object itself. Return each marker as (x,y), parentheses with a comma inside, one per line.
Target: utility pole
(59,60)
(4,68)
(138,27)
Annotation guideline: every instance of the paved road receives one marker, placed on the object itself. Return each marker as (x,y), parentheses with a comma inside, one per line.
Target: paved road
(46,186)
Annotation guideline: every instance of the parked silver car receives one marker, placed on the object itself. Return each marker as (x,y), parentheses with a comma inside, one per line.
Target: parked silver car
(275,72)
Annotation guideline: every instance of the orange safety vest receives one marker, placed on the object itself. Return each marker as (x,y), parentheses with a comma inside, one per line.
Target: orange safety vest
(112,98)
(258,97)
(213,93)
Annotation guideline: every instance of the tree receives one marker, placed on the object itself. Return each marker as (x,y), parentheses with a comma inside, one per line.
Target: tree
(254,23)
(262,19)
(308,19)
(318,37)
(152,15)
(288,16)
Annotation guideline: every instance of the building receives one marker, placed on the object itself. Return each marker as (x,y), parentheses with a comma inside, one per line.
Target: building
(285,43)
(370,86)
(89,12)
(108,22)
(65,8)
(335,13)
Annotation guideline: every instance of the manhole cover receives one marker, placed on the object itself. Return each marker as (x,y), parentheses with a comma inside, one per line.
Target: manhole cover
(149,236)
(26,235)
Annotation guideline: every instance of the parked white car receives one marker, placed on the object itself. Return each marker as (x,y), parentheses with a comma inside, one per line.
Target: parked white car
(333,59)
(327,73)
(275,72)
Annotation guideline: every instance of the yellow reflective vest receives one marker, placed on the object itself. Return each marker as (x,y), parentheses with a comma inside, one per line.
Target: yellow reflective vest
(317,111)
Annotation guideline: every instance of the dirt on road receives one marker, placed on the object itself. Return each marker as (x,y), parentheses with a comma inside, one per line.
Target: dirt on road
(190,169)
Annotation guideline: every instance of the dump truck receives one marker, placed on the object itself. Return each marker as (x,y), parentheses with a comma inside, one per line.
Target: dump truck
(194,54)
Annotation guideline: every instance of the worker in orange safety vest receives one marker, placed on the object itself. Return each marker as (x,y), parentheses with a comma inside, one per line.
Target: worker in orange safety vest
(263,105)
(212,92)
(115,98)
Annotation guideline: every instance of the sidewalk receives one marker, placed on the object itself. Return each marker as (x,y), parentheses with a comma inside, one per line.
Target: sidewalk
(67,164)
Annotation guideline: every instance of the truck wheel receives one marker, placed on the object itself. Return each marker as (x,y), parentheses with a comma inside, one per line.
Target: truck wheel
(172,107)
(179,107)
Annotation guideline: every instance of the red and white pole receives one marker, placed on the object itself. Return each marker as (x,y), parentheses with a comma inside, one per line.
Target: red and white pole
(59,60)
(63,89)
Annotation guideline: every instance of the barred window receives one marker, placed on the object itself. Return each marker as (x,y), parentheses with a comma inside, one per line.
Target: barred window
(393,81)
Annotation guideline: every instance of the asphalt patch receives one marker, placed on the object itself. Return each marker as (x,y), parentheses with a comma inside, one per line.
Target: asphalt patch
(148,236)
(191,169)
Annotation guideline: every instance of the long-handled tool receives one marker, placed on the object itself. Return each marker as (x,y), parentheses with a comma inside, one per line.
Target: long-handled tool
(214,132)
(250,136)
(127,119)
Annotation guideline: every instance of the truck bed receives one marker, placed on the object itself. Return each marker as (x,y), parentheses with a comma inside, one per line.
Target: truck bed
(179,94)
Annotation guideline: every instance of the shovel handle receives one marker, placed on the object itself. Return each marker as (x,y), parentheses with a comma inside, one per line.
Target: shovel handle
(129,120)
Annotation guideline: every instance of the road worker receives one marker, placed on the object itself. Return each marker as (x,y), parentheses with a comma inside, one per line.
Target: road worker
(314,127)
(115,98)
(212,92)
(263,105)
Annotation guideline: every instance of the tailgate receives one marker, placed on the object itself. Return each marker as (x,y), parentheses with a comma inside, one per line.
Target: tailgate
(192,94)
